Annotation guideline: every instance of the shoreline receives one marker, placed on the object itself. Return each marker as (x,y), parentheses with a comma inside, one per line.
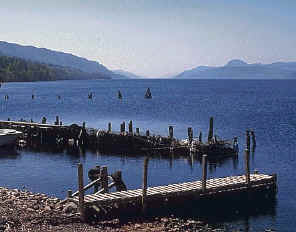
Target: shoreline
(27,211)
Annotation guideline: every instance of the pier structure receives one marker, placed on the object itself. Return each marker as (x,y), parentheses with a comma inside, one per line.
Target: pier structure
(151,198)
(127,140)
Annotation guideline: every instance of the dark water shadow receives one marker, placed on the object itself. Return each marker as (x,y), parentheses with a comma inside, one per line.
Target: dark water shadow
(216,211)
(9,153)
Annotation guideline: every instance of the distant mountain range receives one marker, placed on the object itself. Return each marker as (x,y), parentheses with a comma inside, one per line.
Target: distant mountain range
(46,56)
(126,74)
(238,69)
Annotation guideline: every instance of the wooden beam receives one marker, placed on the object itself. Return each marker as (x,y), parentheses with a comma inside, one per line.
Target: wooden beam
(81,192)
(247,166)
(204,172)
(104,178)
(144,186)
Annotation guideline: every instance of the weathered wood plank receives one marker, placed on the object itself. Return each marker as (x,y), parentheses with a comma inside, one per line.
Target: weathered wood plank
(236,183)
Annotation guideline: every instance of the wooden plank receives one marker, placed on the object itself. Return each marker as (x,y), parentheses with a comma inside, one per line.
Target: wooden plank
(232,183)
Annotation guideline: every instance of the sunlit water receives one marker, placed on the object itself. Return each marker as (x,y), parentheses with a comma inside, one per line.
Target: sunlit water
(268,107)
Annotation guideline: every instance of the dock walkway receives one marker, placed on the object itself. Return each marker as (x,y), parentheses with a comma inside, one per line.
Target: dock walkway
(213,186)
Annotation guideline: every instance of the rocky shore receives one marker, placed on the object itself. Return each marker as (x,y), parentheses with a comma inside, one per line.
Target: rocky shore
(26,211)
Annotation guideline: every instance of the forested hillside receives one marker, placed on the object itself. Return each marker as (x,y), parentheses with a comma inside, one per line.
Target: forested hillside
(14,69)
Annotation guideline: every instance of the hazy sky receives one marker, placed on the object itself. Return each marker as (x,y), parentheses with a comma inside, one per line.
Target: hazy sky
(155,37)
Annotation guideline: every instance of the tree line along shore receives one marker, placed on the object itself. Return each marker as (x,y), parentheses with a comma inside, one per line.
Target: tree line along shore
(14,69)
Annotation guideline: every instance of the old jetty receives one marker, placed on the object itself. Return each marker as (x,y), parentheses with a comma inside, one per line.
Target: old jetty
(125,140)
(249,185)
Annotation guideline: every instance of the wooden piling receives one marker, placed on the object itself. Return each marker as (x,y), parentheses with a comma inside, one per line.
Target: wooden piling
(211,130)
(69,194)
(247,166)
(171,132)
(104,179)
(204,172)
(130,127)
(109,127)
(96,185)
(57,122)
(253,139)
(81,192)
(43,120)
(248,139)
(123,127)
(190,134)
(147,133)
(200,137)
(137,131)
(83,125)
(144,185)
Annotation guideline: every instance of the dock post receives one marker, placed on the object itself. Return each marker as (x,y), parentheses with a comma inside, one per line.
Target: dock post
(137,131)
(69,194)
(171,132)
(96,186)
(144,185)
(190,134)
(121,131)
(123,127)
(57,122)
(147,133)
(104,179)
(211,130)
(43,120)
(83,125)
(253,139)
(248,139)
(109,127)
(247,164)
(204,172)
(81,192)
(130,127)
(200,137)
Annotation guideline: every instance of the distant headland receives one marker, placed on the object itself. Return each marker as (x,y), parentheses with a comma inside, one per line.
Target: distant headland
(28,63)
(238,69)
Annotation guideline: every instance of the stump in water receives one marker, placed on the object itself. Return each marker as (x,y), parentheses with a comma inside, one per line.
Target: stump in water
(119,94)
(148,94)
(211,130)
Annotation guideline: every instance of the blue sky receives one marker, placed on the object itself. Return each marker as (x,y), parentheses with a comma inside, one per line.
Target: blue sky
(155,37)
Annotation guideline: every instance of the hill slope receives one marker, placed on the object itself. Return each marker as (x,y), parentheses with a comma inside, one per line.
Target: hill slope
(126,74)
(238,69)
(17,69)
(43,55)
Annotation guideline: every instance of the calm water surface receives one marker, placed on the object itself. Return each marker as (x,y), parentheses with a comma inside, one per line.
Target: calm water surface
(268,107)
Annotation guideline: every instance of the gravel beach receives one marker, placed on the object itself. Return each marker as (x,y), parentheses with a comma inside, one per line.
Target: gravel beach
(26,211)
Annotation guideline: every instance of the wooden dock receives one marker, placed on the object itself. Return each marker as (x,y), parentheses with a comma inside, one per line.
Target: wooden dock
(249,184)
(125,141)
(162,193)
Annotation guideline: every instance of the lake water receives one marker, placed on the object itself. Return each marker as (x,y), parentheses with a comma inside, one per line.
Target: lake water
(268,107)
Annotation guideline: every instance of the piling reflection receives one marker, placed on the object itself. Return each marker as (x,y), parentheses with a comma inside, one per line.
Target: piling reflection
(191,159)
